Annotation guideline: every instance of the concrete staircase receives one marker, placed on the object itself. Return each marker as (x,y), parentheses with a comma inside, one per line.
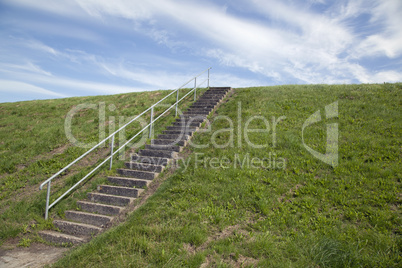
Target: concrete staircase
(98,211)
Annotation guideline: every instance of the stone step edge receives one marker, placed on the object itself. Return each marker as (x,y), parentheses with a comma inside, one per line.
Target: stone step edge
(127,179)
(144,167)
(61,238)
(69,224)
(104,187)
(99,206)
(139,174)
(72,216)
(92,196)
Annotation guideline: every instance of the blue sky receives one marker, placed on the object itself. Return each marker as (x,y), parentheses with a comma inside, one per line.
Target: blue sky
(53,49)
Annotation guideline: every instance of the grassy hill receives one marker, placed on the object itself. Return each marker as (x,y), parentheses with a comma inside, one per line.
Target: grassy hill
(34,145)
(260,198)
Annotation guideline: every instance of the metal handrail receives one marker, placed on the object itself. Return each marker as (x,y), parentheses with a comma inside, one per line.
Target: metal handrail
(112,151)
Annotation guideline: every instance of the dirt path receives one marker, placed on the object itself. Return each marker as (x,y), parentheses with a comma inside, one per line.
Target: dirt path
(37,255)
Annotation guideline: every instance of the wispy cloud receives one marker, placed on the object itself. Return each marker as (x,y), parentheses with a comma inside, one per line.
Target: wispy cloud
(95,45)
(64,8)
(386,15)
(20,89)
(28,67)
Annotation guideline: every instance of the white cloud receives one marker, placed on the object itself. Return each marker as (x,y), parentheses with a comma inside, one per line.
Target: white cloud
(284,41)
(63,8)
(27,67)
(223,79)
(388,15)
(39,46)
(386,76)
(153,79)
(22,90)
(67,30)
(126,9)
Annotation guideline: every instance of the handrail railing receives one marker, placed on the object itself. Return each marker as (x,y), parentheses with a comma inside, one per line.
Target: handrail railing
(111,136)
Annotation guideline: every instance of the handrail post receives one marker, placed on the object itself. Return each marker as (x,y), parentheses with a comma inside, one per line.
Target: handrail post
(152,118)
(111,153)
(195,88)
(47,200)
(177,100)
(208,76)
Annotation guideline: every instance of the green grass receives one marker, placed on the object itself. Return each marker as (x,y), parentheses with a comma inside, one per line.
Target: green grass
(34,146)
(220,211)
(304,213)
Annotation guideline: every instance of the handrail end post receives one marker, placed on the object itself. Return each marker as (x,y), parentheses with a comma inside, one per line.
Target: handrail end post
(150,126)
(177,101)
(208,76)
(111,153)
(47,201)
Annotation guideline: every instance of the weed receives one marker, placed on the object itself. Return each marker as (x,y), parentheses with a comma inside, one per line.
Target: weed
(24,242)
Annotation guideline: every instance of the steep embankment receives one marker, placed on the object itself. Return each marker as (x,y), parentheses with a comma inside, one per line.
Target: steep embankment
(35,143)
(267,197)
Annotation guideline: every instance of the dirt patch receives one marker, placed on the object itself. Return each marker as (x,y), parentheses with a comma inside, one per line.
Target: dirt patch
(291,192)
(37,255)
(347,97)
(228,231)
(21,167)
(59,150)
(233,261)
(155,94)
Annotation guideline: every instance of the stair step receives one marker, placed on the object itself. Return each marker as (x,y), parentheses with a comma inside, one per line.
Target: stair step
(88,218)
(201,106)
(189,121)
(158,161)
(158,153)
(120,190)
(208,99)
(138,174)
(129,182)
(182,143)
(110,199)
(186,128)
(174,148)
(211,97)
(144,167)
(214,92)
(75,228)
(202,109)
(177,137)
(191,116)
(207,103)
(61,238)
(219,88)
(99,208)
(181,131)
(197,115)
(198,112)
(187,125)
(222,92)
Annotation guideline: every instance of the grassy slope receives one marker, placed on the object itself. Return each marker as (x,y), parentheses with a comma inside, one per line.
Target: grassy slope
(306,215)
(33,146)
